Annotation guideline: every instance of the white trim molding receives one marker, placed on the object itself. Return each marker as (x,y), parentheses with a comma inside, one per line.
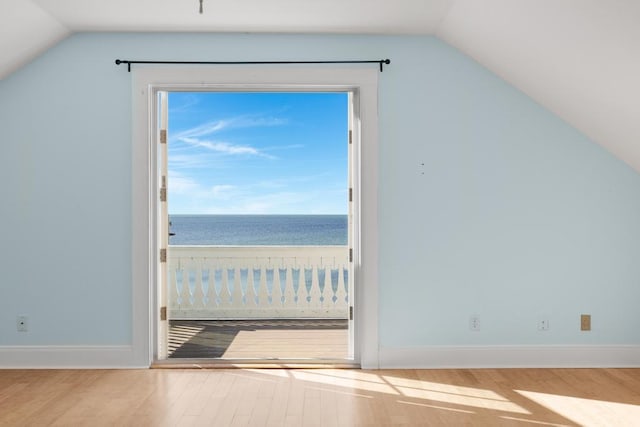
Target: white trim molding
(510,356)
(68,357)
(148,80)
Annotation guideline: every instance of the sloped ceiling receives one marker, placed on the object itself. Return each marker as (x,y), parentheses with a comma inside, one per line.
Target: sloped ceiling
(578,58)
(25,31)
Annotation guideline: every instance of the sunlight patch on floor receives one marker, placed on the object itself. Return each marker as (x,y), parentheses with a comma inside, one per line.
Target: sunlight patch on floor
(443,388)
(344,382)
(585,411)
(462,400)
(424,405)
(351,374)
(541,423)
(289,344)
(415,389)
(282,373)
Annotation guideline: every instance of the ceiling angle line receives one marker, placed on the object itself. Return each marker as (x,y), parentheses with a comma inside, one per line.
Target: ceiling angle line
(381,62)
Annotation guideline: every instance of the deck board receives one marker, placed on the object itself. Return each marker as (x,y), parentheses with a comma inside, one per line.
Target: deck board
(259,339)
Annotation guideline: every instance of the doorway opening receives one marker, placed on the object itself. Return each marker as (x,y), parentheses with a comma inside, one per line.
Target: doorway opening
(256,221)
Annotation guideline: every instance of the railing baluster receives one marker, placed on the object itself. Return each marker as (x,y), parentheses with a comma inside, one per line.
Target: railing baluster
(244,276)
(234,287)
(322,273)
(185,294)
(314,293)
(192,286)
(269,273)
(335,276)
(277,293)
(295,286)
(207,299)
(342,300)
(345,284)
(263,292)
(255,286)
(177,291)
(283,281)
(308,285)
(217,284)
(172,286)
(225,295)
(198,293)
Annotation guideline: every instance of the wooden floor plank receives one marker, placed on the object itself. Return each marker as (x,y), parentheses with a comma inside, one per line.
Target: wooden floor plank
(320,397)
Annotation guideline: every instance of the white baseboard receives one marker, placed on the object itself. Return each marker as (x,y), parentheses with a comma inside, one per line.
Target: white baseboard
(525,356)
(424,357)
(68,357)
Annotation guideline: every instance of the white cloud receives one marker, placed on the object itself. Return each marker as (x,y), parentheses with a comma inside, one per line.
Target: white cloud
(187,161)
(186,192)
(224,192)
(202,130)
(226,147)
(200,136)
(181,184)
(216,126)
(247,202)
(248,121)
(187,106)
(284,147)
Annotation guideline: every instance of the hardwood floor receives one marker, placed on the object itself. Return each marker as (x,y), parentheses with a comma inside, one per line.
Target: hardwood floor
(278,397)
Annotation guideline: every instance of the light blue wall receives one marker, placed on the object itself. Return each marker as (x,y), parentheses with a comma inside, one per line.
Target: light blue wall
(514,214)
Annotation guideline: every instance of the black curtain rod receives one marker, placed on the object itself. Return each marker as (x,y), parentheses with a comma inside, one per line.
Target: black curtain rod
(381,62)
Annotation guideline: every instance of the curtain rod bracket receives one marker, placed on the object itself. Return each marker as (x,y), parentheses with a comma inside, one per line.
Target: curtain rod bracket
(118,62)
(381,62)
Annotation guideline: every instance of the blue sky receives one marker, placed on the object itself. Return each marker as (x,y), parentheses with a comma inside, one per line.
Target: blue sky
(257,153)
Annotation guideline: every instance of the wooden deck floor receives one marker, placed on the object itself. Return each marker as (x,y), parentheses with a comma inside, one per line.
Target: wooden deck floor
(259,339)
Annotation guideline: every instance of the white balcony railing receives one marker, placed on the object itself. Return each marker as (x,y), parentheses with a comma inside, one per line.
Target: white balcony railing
(273,282)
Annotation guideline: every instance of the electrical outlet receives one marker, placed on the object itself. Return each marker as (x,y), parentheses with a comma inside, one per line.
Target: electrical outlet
(474,323)
(585,322)
(22,323)
(543,324)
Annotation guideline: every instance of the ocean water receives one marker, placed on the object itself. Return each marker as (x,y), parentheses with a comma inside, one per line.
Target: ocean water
(258,230)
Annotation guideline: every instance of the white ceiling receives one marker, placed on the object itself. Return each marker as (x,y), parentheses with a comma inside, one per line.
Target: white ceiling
(343,16)
(578,58)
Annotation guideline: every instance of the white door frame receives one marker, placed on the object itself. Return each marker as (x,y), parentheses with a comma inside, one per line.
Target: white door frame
(145,248)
